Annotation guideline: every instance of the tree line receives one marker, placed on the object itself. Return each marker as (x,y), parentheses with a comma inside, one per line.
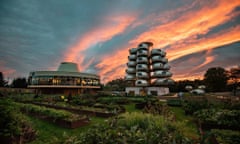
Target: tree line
(216,79)
(16,83)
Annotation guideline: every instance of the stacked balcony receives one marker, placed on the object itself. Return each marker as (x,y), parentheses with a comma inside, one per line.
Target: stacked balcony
(160,75)
(148,68)
(142,67)
(131,65)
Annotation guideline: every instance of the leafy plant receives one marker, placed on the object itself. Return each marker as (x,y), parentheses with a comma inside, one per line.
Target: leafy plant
(155,107)
(192,106)
(174,102)
(13,123)
(50,112)
(227,136)
(134,128)
(223,117)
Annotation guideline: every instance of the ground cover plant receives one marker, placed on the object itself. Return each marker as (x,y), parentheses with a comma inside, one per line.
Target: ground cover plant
(226,136)
(50,112)
(135,128)
(15,127)
(126,128)
(221,118)
(59,117)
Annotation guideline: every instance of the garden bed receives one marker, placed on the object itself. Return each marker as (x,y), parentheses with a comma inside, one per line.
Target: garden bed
(62,122)
(218,119)
(60,117)
(210,125)
(78,110)
(14,126)
(19,139)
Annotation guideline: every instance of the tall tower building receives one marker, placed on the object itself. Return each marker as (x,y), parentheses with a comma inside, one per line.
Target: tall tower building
(148,71)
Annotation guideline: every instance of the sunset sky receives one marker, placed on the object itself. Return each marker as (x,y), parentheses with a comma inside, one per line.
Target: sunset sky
(97,34)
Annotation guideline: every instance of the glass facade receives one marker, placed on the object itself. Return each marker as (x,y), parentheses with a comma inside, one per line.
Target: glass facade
(63,80)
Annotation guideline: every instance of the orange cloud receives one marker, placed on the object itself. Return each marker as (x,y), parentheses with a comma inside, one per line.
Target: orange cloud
(190,24)
(219,39)
(111,63)
(209,58)
(188,76)
(181,34)
(111,27)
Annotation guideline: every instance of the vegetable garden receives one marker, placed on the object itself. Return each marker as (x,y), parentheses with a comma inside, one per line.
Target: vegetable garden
(117,119)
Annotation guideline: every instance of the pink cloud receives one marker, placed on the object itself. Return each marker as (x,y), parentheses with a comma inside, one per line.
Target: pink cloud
(181,34)
(7,72)
(112,26)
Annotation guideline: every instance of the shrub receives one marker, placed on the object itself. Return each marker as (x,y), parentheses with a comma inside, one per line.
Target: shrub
(155,107)
(192,106)
(135,128)
(227,136)
(13,123)
(175,102)
(49,112)
(113,100)
(229,118)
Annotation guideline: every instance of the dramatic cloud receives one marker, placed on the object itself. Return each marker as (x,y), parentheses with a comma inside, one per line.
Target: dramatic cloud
(112,26)
(97,35)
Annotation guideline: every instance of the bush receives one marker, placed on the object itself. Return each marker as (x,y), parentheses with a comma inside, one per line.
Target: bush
(175,102)
(49,112)
(192,106)
(13,123)
(113,100)
(227,136)
(135,128)
(220,117)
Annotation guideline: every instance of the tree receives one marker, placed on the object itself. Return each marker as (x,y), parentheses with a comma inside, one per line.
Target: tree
(19,83)
(117,85)
(3,83)
(234,76)
(216,79)
(179,86)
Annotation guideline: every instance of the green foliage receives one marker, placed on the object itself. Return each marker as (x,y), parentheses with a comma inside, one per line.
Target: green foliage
(174,102)
(234,75)
(192,106)
(227,136)
(225,117)
(12,122)
(3,83)
(135,128)
(216,79)
(113,100)
(116,85)
(19,83)
(82,101)
(179,86)
(50,112)
(156,107)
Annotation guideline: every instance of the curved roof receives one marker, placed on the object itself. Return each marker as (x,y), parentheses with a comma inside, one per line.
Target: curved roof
(64,73)
(68,67)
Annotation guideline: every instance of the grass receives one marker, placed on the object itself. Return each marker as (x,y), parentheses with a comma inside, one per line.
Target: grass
(190,128)
(131,108)
(48,133)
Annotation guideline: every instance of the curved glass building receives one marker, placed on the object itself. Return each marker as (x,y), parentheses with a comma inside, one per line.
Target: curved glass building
(67,79)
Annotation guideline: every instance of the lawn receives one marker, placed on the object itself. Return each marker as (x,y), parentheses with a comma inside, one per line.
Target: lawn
(190,128)
(50,133)
(131,108)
